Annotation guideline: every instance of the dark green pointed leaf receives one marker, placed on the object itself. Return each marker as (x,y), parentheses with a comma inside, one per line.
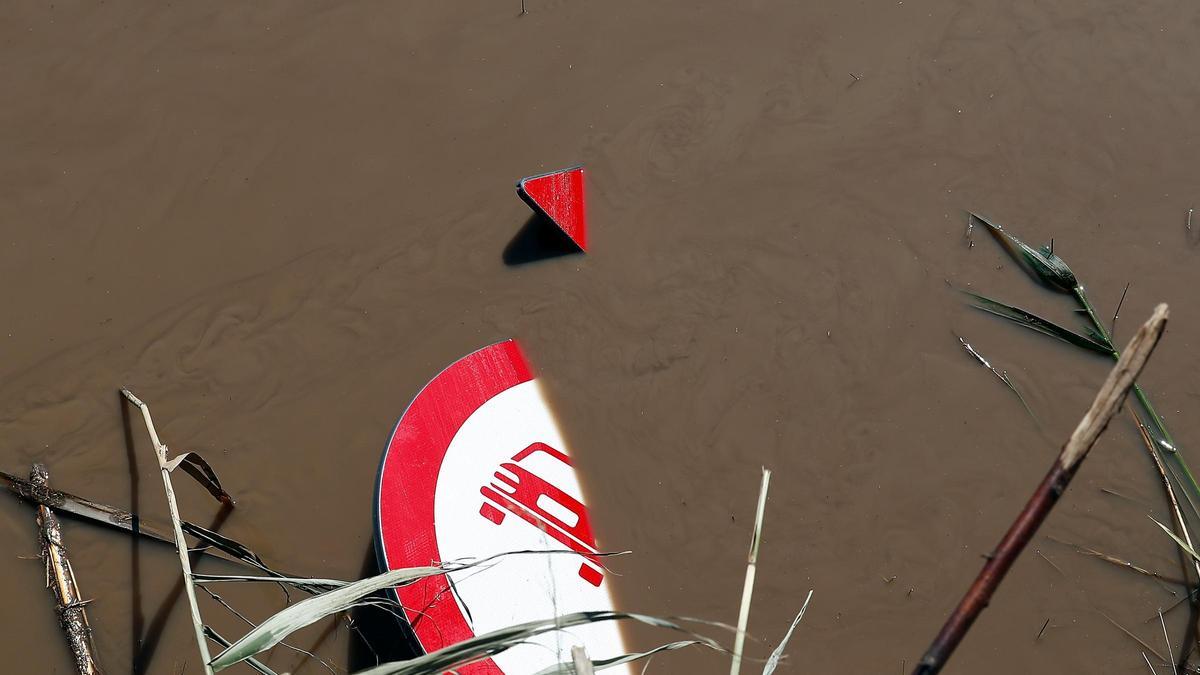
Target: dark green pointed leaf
(1032,321)
(1046,267)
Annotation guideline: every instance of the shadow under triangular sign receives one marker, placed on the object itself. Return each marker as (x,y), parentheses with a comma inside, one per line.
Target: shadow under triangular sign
(558,196)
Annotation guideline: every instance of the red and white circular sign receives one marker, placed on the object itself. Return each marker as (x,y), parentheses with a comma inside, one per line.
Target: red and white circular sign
(476,467)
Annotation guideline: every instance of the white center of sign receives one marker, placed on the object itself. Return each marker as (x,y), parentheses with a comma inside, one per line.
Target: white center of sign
(506,484)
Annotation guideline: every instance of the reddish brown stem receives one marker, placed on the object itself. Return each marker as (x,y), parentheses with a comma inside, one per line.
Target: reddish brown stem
(1108,400)
(995,568)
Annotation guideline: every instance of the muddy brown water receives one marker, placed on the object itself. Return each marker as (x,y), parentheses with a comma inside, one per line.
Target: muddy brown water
(276,221)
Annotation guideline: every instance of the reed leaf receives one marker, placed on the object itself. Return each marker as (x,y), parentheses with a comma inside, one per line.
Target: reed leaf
(1042,263)
(198,468)
(255,664)
(1000,375)
(603,664)
(774,658)
(160,452)
(490,644)
(1034,322)
(310,610)
(319,585)
(1182,544)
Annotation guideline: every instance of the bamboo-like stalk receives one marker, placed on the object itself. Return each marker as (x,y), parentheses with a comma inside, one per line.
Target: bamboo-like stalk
(751,566)
(583,664)
(1106,404)
(1181,526)
(61,580)
(160,452)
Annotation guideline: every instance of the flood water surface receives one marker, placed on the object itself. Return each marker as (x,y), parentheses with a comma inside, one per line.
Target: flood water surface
(275,222)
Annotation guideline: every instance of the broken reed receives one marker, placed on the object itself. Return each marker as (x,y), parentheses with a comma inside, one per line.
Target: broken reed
(160,452)
(1106,404)
(60,578)
(739,639)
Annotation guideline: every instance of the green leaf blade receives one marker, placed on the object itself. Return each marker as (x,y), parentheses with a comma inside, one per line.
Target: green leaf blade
(1036,323)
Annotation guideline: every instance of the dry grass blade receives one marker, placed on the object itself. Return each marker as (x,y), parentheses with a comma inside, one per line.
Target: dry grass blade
(1052,564)
(604,664)
(489,644)
(320,585)
(1170,652)
(310,610)
(1121,562)
(739,640)
(1133,637)
(240,552)
(777,655)
(160,451)
(1187,548)
(1176,513)
(1000,375)
(253,663)
(198,468)
(110,516)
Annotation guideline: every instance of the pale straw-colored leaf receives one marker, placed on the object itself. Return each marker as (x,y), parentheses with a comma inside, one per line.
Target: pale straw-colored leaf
(489,644)
(773,660)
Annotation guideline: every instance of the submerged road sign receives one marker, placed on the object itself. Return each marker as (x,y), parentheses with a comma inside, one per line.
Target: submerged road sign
(477,466)
(558,196)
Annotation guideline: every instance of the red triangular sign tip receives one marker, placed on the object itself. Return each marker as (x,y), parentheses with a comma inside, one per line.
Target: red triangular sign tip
(559,196)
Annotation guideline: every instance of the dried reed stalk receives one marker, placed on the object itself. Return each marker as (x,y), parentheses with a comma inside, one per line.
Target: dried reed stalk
(160,451)
(751,566)
(60,578)
(583,664)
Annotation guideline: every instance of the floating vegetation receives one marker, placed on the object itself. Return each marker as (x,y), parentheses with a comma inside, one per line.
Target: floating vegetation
(1049,269)
(1002,375)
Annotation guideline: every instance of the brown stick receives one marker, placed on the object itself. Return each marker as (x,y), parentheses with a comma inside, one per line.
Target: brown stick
(1104,407)
(211,543)
(61,580)
(83,508)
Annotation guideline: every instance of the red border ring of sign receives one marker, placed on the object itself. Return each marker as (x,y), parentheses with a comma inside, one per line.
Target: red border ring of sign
(456,393)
